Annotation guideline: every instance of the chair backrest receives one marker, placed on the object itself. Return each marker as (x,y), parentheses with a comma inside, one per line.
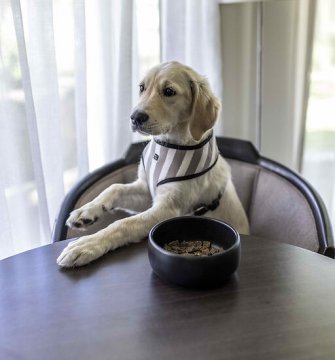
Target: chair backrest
(279,203)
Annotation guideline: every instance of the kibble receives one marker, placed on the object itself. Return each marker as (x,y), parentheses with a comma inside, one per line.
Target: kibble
(195,248)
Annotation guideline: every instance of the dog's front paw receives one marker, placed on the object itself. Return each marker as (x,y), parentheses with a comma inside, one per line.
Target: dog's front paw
(80,252)
(83,217)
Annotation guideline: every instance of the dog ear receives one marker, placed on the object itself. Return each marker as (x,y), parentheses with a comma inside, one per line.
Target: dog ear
(205,108)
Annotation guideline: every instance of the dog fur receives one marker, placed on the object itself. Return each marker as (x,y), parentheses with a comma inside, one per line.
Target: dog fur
(177,106)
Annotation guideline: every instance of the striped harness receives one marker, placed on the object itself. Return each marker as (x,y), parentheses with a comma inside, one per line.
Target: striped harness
(164,162)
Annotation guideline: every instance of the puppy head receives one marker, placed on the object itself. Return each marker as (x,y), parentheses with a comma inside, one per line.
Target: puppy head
(173,97)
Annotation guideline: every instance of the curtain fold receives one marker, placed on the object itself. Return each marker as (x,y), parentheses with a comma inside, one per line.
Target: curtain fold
(80,85)
(6,232)
(45,88)
(125,76)
(31,118)
(111,77)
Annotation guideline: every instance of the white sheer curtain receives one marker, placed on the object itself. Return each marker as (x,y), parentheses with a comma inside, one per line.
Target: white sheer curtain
(68,80)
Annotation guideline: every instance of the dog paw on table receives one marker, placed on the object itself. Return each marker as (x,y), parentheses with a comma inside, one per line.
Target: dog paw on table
(81,252)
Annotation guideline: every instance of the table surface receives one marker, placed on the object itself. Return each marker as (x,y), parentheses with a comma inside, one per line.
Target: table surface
(279,305)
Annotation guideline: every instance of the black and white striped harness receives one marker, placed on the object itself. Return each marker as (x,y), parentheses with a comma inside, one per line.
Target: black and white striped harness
(164,162)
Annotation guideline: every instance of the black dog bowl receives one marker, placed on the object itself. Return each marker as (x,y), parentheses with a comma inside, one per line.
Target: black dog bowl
(190,270)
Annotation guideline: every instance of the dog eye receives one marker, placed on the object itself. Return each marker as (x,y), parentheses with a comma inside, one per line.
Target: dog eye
(168,92)
(141,88)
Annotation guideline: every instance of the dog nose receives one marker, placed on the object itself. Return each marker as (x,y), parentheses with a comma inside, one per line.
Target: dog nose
(139,117)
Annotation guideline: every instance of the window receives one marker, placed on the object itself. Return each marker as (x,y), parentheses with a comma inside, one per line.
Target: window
(319,154)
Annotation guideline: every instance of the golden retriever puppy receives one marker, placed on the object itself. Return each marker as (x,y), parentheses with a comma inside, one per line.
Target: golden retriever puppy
(181,171)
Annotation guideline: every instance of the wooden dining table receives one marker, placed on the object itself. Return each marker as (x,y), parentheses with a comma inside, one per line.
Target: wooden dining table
(278,305)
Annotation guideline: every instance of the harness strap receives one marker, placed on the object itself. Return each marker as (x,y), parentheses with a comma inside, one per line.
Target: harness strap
(203,208)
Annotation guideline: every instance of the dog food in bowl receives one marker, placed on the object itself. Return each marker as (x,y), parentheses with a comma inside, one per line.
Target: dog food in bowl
(193,248)
(194,271)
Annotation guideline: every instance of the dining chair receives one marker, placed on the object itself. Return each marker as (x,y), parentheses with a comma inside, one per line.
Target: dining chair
(280,204)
